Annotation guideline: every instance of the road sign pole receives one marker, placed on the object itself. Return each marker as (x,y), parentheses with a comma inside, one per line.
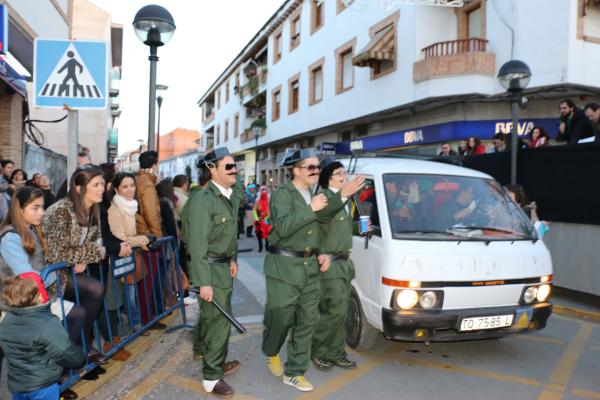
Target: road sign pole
(152,97)
(73,142)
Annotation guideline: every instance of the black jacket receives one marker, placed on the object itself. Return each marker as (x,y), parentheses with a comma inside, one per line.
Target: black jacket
(578,127)
(37,348)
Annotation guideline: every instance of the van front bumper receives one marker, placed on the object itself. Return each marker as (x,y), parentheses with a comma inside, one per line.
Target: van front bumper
(444,325)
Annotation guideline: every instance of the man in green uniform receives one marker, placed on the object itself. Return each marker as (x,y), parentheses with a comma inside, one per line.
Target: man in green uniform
(210,231)
(328,345)
(292,267)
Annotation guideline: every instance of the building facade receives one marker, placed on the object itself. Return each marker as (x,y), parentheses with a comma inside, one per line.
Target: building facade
(178,154)
(26,21)
(355,77)
(53,19)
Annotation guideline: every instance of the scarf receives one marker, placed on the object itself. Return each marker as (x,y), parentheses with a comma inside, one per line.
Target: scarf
(129,206)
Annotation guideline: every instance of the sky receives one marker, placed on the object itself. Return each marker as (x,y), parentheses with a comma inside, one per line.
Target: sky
(209,34)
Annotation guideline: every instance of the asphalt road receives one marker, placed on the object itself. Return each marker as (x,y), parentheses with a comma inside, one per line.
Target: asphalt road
(559,362)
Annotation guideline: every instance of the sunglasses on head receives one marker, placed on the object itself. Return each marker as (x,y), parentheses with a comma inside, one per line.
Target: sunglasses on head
(311,168)
(229,167)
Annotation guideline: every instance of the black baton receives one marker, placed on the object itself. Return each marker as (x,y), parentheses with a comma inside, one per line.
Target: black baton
(238,326)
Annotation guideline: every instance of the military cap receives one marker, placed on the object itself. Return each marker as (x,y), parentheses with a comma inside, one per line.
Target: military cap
(213,156)
(293,156)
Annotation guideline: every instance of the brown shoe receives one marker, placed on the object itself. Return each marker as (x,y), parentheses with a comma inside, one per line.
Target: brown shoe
(198,357)
(223,390)
(120,355)
(229,367)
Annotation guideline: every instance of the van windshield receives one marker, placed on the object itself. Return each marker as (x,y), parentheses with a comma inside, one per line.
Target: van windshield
(453,208)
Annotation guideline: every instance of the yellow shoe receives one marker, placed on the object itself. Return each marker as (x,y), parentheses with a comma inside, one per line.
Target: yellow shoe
(299,382)
(274,364)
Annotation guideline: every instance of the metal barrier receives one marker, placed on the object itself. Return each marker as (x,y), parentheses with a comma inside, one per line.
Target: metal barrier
(149,284)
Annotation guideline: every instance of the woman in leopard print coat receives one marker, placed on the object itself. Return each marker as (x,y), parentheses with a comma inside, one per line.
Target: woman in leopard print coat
(72,230)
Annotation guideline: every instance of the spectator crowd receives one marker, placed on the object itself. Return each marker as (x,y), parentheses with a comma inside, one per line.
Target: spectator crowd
(575,125)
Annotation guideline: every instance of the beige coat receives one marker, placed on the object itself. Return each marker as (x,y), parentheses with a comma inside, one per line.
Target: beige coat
(122,225)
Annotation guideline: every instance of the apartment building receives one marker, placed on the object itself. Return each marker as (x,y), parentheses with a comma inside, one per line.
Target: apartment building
(345,75)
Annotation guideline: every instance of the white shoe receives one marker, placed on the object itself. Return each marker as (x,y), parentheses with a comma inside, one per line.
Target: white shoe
(299,382)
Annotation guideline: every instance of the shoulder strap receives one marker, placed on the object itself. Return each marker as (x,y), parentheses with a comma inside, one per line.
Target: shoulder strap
(5,232)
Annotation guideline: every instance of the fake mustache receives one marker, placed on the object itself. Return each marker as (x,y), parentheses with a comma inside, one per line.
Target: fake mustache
(314,174)
(232,174)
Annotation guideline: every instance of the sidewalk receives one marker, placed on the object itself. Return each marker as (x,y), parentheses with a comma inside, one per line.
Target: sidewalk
(572,303)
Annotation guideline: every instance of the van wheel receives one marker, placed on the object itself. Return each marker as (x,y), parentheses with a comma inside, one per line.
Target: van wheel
(359,334)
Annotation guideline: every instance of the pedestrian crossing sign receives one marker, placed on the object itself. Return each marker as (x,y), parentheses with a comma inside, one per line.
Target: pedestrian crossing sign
(70,73)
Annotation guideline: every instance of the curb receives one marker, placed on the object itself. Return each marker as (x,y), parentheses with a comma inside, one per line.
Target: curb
(576,312)
(113,368)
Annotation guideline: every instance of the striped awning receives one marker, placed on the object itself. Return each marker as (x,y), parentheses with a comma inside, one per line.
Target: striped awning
(380,48)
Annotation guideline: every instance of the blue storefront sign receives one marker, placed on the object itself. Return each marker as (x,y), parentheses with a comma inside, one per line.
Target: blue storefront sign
(449,131)
(3,29)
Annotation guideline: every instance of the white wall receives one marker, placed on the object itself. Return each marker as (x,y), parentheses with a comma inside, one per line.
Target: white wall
(545,38)
(42,17)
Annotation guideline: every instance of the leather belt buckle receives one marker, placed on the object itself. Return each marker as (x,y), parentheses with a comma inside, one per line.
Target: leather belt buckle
(307,253)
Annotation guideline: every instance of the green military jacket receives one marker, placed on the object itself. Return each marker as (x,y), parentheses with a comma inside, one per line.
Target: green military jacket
(335,233)
(209,224)
(295,227)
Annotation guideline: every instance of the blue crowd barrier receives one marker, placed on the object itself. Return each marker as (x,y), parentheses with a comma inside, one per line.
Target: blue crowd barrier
(157,292)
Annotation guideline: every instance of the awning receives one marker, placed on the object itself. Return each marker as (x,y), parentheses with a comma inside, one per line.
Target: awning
(380,48)
(12,78)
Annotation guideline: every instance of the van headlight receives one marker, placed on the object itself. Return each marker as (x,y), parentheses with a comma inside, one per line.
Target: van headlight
(530,294)
(428,300)
(543,292)
(407,299)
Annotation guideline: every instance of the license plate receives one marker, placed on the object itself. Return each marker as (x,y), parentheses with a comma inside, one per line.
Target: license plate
(490,322)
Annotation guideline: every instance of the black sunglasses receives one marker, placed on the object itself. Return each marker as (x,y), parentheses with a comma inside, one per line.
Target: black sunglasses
(311,168)
(229,167)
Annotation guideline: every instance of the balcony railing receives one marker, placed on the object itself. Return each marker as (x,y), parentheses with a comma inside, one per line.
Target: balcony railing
(455,57)
(452,47)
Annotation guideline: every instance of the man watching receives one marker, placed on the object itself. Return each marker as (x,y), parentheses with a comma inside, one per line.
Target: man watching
(574,125)
(447,150)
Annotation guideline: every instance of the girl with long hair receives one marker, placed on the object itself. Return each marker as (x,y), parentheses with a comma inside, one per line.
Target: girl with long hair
(474,146)
(72,229)
(22,248)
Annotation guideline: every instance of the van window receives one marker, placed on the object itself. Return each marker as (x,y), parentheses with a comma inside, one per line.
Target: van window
(434,207)
(367,202)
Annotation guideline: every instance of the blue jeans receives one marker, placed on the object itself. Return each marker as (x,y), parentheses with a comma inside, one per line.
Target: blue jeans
(51,392)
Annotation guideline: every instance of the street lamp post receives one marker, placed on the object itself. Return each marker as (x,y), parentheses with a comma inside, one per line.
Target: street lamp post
(154,26)
(256,130)
(514,76)
(160,89)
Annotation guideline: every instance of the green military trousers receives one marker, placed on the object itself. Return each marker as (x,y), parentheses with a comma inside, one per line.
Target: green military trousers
(212,336)
(329,339)
(291,309)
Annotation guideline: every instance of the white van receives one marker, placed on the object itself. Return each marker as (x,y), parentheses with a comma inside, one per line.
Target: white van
(451,257)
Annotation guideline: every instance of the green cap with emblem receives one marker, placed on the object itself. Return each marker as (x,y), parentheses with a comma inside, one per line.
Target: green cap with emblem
(293,156)
(213,156)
